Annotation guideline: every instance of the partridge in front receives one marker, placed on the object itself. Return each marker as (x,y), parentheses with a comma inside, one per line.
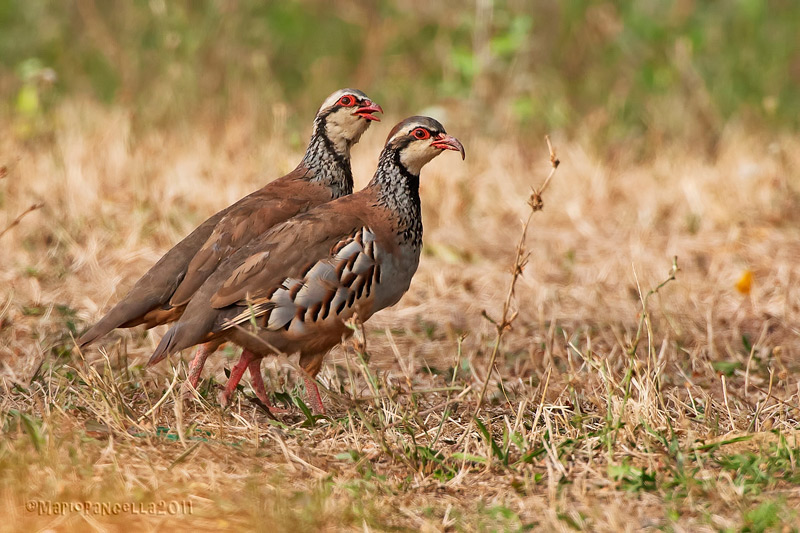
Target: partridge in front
(303,279)
(324,174)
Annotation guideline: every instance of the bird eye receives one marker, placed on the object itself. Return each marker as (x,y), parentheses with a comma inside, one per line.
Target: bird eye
(421,133)
(347,101)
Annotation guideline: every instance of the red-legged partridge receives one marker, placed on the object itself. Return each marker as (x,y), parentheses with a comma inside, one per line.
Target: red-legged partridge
(302,280)
(324,174)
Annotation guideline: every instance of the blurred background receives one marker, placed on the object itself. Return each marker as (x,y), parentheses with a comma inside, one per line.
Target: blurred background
(612,74)
(124,125)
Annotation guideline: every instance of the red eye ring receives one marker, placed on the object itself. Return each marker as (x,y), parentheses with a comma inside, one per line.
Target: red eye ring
(421,134)
(346,101)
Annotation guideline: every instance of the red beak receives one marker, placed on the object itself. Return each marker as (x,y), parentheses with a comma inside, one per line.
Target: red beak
(448,142)
(367,109)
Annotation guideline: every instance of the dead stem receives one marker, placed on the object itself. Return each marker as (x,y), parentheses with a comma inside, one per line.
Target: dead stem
(17,220)
(536,204)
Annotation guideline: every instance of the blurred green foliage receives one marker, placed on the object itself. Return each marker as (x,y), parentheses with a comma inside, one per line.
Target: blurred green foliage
(617,72)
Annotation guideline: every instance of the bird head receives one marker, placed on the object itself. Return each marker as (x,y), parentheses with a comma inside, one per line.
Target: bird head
(417,140)
(345,116)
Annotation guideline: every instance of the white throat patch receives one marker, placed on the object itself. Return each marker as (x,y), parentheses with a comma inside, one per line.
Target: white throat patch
(416,155)
(344,129)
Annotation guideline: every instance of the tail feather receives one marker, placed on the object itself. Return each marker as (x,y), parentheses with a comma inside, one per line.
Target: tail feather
(100,329)
(91,335)
(178,337)
(127,313)
(166,346)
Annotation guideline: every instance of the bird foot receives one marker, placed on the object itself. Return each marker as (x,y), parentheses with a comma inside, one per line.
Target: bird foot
(257,381)
(224,399)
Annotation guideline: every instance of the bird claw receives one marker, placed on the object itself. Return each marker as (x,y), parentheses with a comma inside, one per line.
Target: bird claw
(269,408)
(223,399)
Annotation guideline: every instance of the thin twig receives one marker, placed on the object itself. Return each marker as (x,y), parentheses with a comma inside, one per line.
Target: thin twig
(762,404)
(520,260)
(442,407)
(17,220)
(645,314)
(163,398)
(725,399)
(644,323)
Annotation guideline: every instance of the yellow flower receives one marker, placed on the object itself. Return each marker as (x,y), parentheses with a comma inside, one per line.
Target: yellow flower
(745,282)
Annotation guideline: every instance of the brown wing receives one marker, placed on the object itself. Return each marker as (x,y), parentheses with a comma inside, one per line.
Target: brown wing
(289,250)
(249,220)
(341,274)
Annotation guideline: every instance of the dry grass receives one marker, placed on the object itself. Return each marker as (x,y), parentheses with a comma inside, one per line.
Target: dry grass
(586,425)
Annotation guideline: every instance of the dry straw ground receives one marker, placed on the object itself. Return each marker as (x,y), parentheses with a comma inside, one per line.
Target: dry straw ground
(599,416)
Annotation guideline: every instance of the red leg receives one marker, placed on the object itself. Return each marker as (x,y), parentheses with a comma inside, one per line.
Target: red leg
(311,363)
(236,375)
(196,366)
(258,386)
(312,395)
